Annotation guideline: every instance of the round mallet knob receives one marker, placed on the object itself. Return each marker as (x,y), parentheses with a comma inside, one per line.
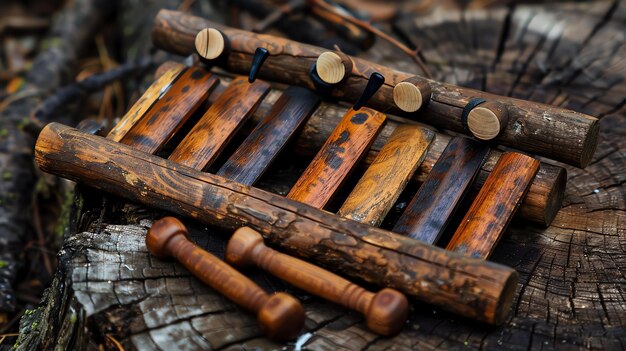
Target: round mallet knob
(333,67)
(210,43)
(160,234)
(487,120)
(241,246)
(411,94)
(387,312)
(281,317)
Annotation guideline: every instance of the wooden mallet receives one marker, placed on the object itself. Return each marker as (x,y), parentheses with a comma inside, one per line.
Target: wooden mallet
(280,316)
(385,312)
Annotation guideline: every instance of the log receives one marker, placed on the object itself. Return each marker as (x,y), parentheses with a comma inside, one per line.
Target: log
(473,288)
(560,134)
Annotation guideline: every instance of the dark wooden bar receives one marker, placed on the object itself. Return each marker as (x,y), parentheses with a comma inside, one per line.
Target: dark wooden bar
(287,116)
(470,287)
(381,185)
(536,128)
(427,215)
(219,123)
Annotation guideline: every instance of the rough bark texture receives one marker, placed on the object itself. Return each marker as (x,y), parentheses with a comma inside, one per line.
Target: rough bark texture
(572,289)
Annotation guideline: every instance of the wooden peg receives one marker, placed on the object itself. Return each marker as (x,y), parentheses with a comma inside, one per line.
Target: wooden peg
(494,206)
(260,55)
(248,163)
(487,120)
(347,144)
(428,214)
(210,44)
(171,111)
(333,67)
(203,144)
(280,316)
(149,97)
(374,83)
(385,312)
(411,94)
(381,185)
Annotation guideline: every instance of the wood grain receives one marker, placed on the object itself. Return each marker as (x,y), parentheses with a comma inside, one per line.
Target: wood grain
(430,210)
(248,163)
(219,123)
(473,288)
(333,67)
(280,316)
(141,106)
(560,134)
(411,94)
(385,312)
(338,156)
(487,120)
(171,111)
(209,43)
(381,185)
(540,205)
(495,205)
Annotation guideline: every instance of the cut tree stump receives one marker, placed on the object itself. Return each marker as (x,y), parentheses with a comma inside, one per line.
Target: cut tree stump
(572,291)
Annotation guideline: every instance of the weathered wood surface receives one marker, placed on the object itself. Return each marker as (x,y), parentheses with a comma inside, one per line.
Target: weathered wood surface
(474,288)
(431,209)
(339,155)
(170,112)
(495,205)
(560,134)
(385,311)
(286,117)
(571,292)
(145,102)
(379,188)
(203,144)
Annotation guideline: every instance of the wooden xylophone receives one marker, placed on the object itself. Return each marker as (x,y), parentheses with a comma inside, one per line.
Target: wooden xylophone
(458,279)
